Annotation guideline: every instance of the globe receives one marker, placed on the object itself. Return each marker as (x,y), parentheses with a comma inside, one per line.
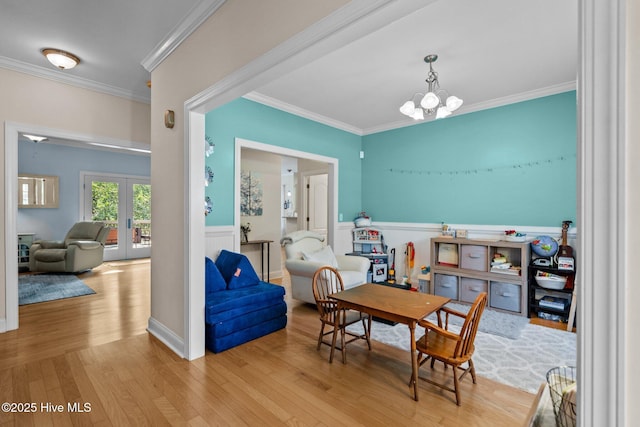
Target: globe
(544,246)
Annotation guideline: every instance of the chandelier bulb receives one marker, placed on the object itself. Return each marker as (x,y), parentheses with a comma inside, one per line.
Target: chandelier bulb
(430,101)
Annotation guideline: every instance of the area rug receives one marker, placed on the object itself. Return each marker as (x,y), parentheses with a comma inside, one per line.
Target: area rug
(521,363)
(48,287)
(492,322)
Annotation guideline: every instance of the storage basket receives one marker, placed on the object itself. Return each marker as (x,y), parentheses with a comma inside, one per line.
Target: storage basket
(562,387)
(362,222)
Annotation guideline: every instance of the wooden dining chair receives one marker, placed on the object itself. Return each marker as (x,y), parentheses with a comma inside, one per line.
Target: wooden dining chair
(326,281)
(452,349)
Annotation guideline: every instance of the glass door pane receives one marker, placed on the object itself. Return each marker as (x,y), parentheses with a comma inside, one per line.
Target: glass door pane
(140,194)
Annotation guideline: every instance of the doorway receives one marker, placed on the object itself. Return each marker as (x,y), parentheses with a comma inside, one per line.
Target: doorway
(124,204)
(316,191)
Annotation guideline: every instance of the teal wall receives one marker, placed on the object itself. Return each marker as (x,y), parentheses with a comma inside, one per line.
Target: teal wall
(512,165)
(256,122)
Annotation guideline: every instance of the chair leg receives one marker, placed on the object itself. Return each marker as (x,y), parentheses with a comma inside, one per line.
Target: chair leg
(472,369)
(344,345)
(333,343)
(321,335)
(455,385)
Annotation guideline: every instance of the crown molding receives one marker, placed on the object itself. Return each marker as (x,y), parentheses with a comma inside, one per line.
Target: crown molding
(301,112)
(479,106)
(57,76)
(493,103)
(198,14)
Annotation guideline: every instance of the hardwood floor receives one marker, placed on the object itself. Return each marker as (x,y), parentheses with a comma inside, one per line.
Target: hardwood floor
(94,350)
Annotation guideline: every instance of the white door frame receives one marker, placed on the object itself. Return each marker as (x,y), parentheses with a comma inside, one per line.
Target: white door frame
(11,134)
(332,192)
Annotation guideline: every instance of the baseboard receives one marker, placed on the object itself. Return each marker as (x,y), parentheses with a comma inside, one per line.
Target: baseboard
(3,326)
(166,335)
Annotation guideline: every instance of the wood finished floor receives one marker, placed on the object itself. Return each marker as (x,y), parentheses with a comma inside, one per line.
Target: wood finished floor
(95,350)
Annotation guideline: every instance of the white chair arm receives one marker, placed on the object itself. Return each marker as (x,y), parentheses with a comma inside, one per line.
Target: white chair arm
(299,267)
(353,263)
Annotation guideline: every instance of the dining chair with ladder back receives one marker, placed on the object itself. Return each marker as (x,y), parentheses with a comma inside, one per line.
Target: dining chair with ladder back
(452,349)
(326,281)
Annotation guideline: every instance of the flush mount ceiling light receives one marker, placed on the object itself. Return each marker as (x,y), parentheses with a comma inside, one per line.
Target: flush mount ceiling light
(35,138)
(431,102)
(61,59)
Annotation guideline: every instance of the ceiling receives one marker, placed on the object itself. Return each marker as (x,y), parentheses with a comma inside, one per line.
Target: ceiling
(491,53)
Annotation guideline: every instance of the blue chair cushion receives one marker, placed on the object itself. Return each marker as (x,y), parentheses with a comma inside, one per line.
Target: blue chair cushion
(213,280)
(236,269)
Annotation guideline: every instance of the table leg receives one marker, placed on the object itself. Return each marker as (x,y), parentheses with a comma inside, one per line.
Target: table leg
(268,260)
(262,260)
(414,360)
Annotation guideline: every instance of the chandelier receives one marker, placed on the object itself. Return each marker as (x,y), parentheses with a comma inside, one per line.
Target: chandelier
(431,103)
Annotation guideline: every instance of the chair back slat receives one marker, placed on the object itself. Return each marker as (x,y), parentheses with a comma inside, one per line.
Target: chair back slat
(464,348)
(326,281)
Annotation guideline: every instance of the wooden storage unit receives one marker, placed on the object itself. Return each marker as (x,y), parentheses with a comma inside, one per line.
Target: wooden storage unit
(461,269)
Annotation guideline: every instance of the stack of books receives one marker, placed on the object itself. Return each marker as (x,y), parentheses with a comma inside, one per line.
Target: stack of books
(555,303)
(500,264)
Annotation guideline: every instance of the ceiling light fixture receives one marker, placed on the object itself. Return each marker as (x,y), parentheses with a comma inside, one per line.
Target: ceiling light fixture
(60,58)
(35,138)
(431,103)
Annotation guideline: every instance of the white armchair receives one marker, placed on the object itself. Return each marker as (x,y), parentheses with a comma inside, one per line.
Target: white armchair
(306,252)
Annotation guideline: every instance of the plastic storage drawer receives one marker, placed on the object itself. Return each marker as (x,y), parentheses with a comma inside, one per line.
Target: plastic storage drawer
(471,288)
(473,257)
(446,286)
(505,296)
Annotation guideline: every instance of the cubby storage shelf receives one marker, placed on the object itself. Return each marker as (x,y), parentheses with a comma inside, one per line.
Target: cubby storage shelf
(462,268)
(537,292)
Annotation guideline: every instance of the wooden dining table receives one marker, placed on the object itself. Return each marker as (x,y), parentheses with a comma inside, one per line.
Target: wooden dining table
(396,305)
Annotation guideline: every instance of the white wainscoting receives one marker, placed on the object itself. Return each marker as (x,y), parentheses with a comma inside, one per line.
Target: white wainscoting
(396,235)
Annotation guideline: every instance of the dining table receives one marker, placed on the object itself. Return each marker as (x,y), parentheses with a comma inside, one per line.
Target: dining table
(393,304)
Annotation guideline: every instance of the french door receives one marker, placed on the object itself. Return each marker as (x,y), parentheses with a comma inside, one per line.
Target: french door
(124,204)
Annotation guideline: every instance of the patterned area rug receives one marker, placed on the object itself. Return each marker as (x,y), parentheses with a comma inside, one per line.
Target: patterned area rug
(48,287)
(492,322)
(522,363)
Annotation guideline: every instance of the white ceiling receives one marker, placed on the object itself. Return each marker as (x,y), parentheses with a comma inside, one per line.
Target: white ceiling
(491,52)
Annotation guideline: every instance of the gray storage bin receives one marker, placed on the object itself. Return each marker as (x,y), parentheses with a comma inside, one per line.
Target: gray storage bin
(471,288)
(446,286)
(505,296)
(473,257)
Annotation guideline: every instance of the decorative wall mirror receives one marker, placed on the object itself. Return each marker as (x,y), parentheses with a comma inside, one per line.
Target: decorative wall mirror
(37,191)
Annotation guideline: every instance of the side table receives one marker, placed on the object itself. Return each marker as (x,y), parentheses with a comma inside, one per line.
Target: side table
(262,244)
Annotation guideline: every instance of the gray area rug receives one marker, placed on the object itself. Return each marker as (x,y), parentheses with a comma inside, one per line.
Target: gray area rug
(521,363)
(48,287)
(492,322)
